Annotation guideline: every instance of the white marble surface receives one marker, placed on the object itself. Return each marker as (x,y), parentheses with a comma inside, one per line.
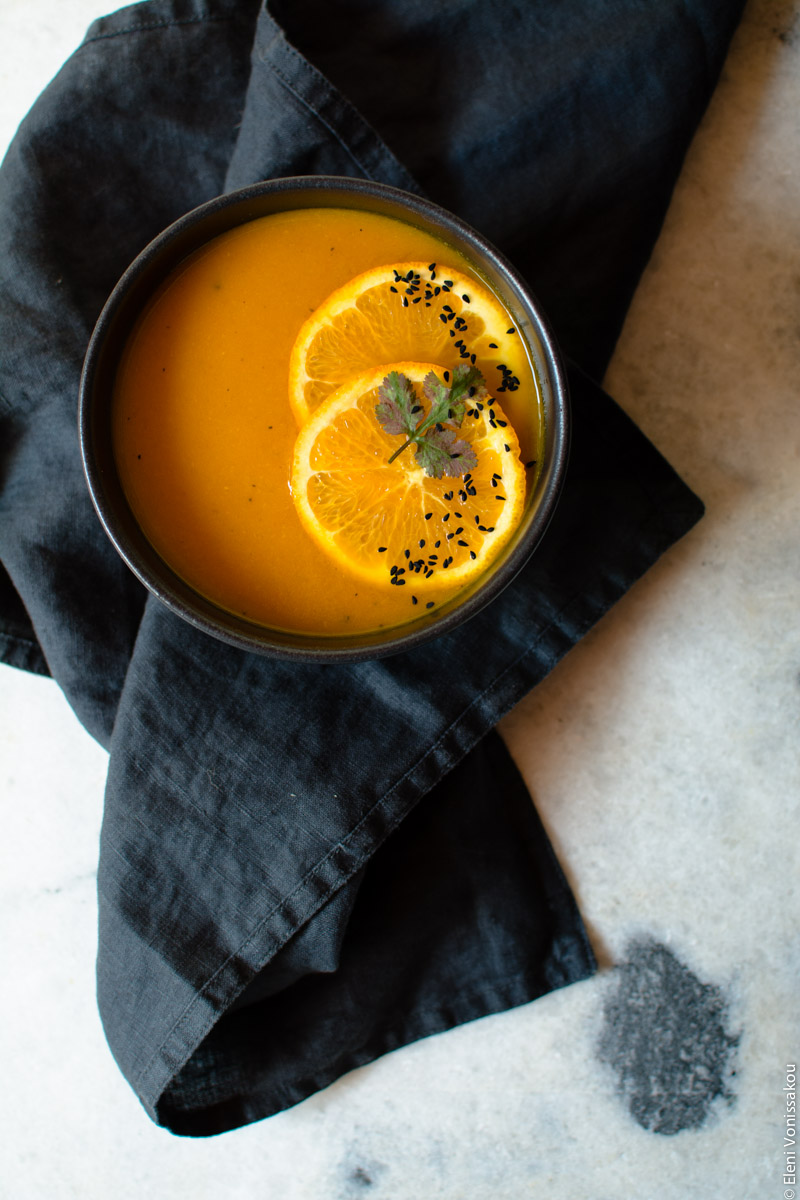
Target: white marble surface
(662,754)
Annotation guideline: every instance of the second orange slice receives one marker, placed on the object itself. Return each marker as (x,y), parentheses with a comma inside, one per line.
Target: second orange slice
(391,523)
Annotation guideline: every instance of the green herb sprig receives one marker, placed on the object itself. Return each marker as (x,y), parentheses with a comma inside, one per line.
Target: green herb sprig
(440,451)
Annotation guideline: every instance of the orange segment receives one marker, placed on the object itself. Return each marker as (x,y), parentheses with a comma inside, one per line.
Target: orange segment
(398,313)
(386,522)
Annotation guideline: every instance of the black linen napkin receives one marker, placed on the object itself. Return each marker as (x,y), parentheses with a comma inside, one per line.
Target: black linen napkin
(304,867)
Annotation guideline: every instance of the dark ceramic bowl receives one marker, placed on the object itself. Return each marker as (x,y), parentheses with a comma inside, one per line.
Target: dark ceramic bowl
(124,306)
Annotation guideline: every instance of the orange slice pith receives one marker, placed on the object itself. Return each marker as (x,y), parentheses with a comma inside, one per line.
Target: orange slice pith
(392,523)
(410,311)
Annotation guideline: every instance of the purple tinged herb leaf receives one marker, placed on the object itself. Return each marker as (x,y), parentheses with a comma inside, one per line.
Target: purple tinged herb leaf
(448,404)
(437,394)
(442,452)
(397,399)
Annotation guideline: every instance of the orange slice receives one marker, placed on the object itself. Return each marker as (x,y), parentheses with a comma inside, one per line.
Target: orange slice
(391,523)
(410,311)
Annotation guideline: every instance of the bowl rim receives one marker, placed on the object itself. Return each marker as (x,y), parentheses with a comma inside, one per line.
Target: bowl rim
(156,574)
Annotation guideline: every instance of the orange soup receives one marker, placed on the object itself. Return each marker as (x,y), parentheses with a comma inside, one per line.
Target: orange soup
(204,433)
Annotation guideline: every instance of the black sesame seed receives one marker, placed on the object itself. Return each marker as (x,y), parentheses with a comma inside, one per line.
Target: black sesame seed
(421,542)
(405,302)
(502,424)
(392,289)
(429,604)
(446,517)
(431,266)
(428,516)
(472,554)
(407,553)
(507,447)
(492,345)
(400,582)
(447,376)
(393,570)
(448,283)
(465,298)
(413,599)
(437,545)
(381,549)
(532,463)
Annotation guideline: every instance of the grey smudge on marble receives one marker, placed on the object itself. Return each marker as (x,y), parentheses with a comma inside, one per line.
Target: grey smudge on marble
(665,1036)
(361,1177)
(362,1174)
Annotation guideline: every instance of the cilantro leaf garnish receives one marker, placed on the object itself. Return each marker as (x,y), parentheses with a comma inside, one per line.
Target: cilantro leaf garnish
(396,411)
(448,404)
(440,451)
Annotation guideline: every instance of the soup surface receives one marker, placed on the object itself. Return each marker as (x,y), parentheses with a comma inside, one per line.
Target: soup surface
(204,433)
